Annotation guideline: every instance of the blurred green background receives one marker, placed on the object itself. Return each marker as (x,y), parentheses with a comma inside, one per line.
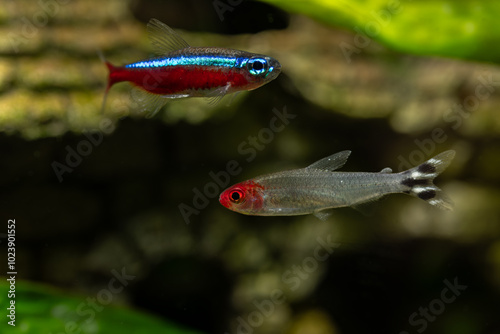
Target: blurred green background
(396,82)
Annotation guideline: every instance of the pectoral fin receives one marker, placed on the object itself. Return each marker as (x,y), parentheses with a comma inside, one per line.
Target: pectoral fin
(218,94)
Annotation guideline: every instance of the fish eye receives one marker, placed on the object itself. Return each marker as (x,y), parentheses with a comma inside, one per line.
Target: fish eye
(257,66)
(236,196)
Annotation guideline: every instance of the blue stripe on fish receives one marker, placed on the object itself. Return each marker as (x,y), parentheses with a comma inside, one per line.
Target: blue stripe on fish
(236,62)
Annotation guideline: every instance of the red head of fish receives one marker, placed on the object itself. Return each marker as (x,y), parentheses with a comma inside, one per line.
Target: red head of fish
(245,197)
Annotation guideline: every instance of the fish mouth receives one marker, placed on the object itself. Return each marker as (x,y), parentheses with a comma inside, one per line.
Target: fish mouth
(274,69)
(223,199)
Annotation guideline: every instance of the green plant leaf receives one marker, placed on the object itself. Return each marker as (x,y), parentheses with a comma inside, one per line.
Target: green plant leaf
(451,28)
(41,309)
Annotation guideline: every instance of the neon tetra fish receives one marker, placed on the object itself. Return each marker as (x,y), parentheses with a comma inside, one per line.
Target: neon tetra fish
(318,187)
(180,70)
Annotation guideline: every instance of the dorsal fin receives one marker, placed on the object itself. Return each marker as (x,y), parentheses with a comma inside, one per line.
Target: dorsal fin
(332,162)
(164,39)
(386,170)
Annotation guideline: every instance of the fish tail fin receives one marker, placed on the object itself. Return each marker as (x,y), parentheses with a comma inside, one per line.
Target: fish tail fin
(111,79)
(418,181)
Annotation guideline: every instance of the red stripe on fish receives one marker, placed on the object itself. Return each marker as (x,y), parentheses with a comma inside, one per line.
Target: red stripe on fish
(178,80)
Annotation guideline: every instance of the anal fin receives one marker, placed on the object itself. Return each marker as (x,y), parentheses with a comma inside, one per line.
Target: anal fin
(367,207)
(323,214)
(147,102)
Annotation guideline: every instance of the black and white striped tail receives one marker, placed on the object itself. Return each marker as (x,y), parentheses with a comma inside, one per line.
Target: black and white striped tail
(418,180)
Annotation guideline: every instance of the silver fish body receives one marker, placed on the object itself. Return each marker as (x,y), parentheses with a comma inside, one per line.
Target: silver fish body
(305,191)
(319,187)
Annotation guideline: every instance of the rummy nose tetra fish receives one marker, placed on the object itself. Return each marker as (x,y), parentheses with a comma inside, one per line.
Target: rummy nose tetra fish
(180,70)
(318,188)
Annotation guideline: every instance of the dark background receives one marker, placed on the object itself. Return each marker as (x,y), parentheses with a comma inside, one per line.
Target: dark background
(119,206)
